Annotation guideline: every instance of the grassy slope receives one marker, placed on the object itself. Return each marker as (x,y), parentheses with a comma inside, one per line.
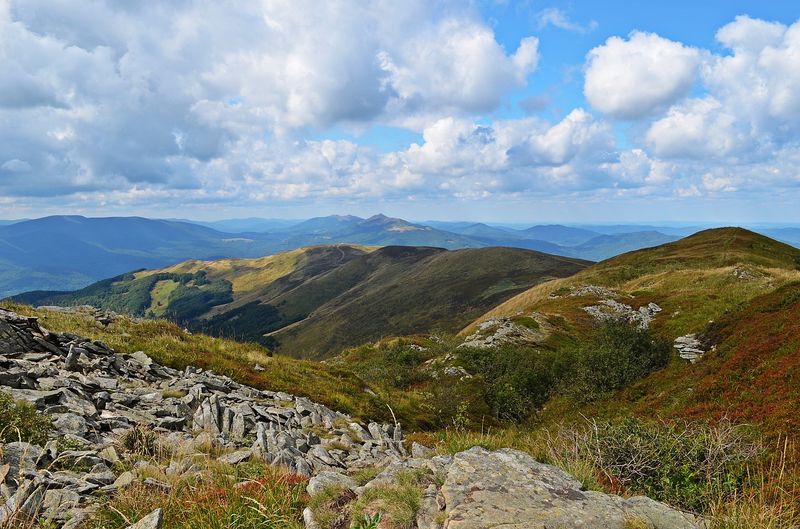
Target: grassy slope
(315,301)
(400,290)
(693,280)
(335,386)
(753,375)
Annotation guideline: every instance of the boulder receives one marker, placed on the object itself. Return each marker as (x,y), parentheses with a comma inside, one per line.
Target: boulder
(510,489)
(154,520)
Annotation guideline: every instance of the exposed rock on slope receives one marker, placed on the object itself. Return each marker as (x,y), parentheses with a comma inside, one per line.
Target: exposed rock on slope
(95,395)
(506,488)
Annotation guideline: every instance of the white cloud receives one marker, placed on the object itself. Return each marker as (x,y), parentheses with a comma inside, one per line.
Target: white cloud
(552,16)
(760,81)
(696,128)
(207,103)
(631,78)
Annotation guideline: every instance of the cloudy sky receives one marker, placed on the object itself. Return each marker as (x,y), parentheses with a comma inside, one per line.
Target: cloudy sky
(507,111)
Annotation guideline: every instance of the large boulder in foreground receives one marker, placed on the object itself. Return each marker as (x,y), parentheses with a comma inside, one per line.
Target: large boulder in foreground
(482,489)
(507,488)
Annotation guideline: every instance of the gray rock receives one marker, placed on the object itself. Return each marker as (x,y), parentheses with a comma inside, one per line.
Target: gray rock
(421,451)
(57,502)
(327,479)
(510,489)
(154,520)
(237,457)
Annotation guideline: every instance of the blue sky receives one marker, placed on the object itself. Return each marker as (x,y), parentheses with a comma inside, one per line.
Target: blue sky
(575,111)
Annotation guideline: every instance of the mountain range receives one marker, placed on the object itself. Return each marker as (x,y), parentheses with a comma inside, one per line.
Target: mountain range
(71,252)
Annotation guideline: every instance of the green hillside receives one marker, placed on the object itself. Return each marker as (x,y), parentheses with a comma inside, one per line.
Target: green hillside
(315,301)
(693,280)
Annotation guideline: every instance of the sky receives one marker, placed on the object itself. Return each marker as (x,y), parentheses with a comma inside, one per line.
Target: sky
(530,111)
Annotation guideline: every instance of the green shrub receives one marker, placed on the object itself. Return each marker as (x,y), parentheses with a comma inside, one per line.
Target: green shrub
(19,421)
(618,354)
(519,380)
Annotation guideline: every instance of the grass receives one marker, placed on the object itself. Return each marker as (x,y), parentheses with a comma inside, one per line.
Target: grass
(692,280)
(214,496)
(397,503)
(159,296)
(19,421)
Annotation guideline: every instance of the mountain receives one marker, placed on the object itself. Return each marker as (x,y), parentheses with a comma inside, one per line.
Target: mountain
(693,280)
(606,246)
(561,235)
(314,301)
(378,230)
(71,251)
(616,229)
(248,225)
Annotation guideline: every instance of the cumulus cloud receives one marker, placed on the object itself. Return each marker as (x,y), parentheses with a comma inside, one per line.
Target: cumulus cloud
(200,102)
(107,94)
(696,128)
(631,78)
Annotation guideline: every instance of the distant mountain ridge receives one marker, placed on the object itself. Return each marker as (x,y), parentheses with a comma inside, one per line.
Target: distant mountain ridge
(70,252)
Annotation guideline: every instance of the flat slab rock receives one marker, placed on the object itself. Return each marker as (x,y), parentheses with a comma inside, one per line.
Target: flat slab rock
(509,489)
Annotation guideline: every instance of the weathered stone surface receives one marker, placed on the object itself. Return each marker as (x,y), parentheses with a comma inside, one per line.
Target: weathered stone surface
(154,520)
(329,479)
(508,488)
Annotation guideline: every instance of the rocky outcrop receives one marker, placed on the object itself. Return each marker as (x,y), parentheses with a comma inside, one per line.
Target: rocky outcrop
(507,488)
(95,395)
(496,332)
(689,348)
(609,309)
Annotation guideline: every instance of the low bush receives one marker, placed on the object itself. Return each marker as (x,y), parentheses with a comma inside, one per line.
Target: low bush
(20,421)
(616,355)
(690,465)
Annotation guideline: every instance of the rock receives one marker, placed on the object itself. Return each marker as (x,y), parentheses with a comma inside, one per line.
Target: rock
(72,362)
(57,502)
(237,457)
(510,489)
(610,309)
(124,480)
(329,479)
(308,519)
(689,348)
(421,451)
(154,520)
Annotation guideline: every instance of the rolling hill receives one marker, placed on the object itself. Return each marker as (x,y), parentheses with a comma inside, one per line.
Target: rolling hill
(314,301)
(693,280)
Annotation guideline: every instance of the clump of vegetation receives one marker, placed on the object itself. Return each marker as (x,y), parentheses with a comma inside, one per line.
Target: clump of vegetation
(616,355)
(686,464)
(217,496)
(519,380)
(141,441)
(19,421)
(396,504)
